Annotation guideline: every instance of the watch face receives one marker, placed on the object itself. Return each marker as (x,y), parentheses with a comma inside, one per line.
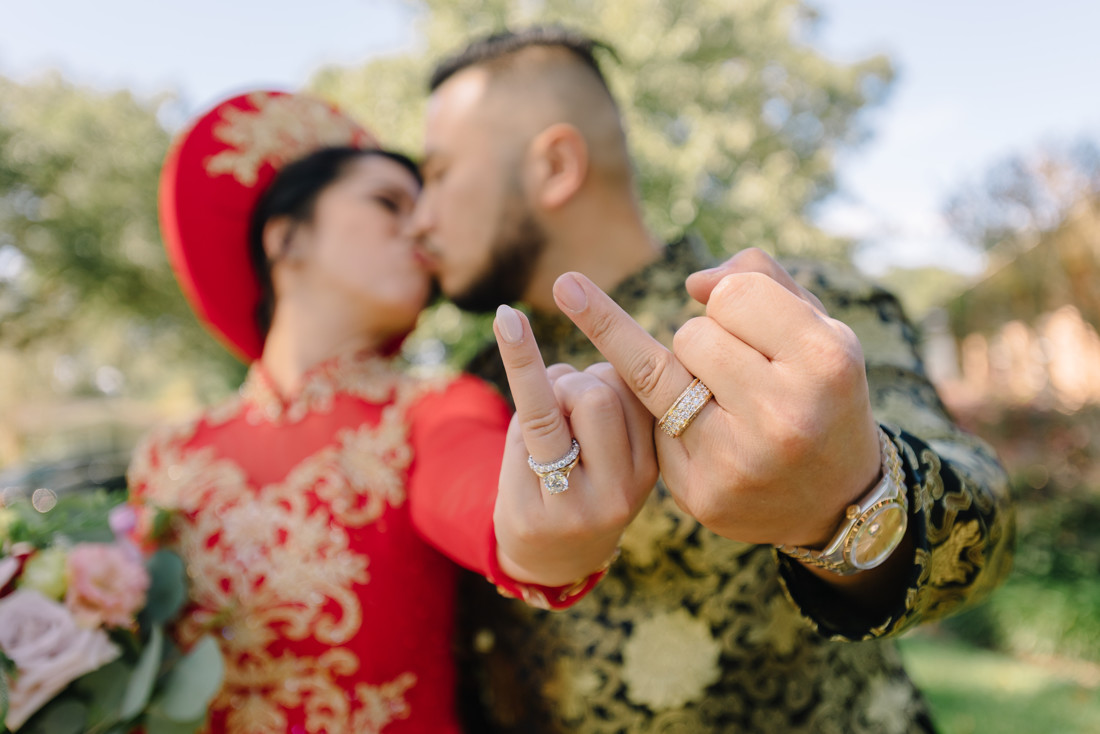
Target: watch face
(878,535)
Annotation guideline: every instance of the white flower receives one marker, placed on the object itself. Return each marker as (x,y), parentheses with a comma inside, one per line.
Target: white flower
(670,660)
(49,651)
(8,568)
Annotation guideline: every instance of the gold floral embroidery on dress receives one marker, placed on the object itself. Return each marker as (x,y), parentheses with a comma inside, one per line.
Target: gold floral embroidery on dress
(358,374)
(268,563)
(281,128)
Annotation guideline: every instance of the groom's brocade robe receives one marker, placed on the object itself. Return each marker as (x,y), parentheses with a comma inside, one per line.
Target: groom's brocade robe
(691,632)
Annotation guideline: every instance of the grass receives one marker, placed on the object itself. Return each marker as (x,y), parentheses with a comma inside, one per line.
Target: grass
(975,691)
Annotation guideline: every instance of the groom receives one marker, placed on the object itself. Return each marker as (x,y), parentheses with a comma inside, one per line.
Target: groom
(819,404)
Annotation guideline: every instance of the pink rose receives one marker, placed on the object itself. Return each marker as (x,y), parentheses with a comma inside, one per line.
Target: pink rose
(107,585)
(49,651)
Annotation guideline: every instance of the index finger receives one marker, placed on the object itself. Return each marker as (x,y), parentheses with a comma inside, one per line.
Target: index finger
(545,431)
(651,371)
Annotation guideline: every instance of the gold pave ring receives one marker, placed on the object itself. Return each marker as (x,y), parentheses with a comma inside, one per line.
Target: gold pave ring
(686,407)
(555,474)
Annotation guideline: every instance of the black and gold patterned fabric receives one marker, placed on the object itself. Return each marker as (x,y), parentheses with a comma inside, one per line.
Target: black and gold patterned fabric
(692,632)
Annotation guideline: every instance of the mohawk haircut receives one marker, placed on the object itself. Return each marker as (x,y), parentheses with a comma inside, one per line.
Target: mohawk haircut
(501,44)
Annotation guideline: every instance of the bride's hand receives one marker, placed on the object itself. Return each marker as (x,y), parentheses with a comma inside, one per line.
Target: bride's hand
(557,539)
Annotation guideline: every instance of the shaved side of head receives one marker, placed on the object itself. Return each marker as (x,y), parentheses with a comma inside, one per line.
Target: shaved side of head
(542,77)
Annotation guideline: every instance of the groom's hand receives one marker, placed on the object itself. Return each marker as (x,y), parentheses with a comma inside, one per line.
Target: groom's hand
(788,441)
(557,539)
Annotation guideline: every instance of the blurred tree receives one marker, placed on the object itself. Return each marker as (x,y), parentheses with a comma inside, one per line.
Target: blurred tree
(734,120)
(1038,216)
(922,290)
(88,305)
(1023,196)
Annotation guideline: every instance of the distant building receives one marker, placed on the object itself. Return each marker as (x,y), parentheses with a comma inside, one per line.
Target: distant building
(1027,332)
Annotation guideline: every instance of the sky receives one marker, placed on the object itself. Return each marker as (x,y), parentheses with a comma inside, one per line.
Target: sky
(978,80)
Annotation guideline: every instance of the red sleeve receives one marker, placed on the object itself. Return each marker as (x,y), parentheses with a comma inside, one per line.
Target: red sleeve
(457,437)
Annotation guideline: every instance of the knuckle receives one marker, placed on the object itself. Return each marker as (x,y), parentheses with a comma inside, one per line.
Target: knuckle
(558,370)
(602,326)
(601,371)
(649,373)
(598,397)
(542,424)
(753,258)
(518,360)
(838,356)
(690,334)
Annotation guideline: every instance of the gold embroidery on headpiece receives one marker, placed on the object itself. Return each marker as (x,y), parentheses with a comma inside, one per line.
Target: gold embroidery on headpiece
(280,129)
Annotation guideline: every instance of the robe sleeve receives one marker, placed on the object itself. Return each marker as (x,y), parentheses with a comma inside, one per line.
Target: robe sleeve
(959,500)
(458,438)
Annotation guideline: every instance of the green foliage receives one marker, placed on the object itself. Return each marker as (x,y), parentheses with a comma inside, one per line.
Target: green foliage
(77,517)
(1024,195)
(152,685)
(922,289)
(60,716)
(1050,604)
(189,687)
(5,670)
(104,690)
(980,692)
(78,188)
(139,687)
(167,590)
(733,118)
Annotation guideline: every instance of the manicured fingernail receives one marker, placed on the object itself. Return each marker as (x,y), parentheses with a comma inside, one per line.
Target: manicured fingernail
(570,294)
(511,328)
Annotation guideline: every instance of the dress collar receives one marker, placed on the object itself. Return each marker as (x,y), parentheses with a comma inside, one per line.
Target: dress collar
(362,373)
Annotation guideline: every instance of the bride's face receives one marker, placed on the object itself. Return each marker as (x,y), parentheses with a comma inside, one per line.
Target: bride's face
(357,244)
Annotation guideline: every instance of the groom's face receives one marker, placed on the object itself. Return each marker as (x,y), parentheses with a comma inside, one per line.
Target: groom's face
(472,221)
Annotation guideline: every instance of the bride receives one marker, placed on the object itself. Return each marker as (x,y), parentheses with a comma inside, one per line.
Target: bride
(324,511)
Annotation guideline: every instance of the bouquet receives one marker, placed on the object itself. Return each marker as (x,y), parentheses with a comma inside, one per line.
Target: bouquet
(82,620)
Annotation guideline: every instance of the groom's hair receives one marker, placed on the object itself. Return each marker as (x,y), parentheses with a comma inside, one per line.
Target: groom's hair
(541,76)
(497,49)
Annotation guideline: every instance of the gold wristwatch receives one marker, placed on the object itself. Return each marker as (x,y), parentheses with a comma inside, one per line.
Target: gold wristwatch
(872,528)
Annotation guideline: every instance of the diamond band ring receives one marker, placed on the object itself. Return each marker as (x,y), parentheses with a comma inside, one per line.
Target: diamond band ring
(555,474)
(685,408)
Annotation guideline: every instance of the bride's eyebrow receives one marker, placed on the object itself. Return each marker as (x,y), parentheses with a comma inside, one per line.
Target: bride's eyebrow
(396,190)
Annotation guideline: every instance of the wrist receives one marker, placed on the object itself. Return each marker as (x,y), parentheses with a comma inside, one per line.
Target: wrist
(872,528)
(555,569)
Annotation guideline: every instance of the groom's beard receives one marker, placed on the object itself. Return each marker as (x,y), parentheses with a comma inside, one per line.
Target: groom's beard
(517,246)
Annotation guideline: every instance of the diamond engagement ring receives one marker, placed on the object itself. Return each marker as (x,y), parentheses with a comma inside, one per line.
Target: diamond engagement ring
(686,407)
(555,474)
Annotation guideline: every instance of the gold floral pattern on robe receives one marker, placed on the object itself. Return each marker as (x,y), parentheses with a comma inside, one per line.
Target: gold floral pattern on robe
(789,655)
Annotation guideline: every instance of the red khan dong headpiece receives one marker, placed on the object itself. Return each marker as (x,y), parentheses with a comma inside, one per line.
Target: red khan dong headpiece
(209,185)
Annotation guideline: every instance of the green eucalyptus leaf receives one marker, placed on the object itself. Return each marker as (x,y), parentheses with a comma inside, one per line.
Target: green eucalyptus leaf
(167,589)
(186,692)
(140,686)
(105,689)
(160,725)
(59,716)
(3,700)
